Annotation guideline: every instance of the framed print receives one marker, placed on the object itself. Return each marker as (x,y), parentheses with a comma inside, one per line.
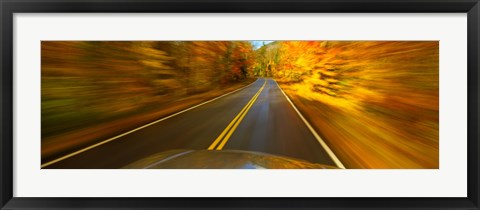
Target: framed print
(239,105)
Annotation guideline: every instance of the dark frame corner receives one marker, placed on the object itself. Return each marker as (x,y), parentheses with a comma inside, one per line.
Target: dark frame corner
(9,7)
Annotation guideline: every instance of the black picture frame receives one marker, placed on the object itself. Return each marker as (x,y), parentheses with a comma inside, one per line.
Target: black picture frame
(10,7)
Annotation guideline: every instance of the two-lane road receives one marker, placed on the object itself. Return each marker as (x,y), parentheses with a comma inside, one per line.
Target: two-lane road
(258,117)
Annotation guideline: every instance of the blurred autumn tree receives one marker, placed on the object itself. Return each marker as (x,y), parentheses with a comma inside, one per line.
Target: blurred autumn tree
(377,102)
(85,82)
(267,60)
(350,74)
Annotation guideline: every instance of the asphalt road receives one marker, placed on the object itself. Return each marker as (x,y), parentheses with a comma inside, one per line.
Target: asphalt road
(258,118)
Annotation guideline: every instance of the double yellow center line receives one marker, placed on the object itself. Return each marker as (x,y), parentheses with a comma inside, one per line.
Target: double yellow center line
(222,139)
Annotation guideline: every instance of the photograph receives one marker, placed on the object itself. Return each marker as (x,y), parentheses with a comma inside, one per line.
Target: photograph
(240,104)
(160,104)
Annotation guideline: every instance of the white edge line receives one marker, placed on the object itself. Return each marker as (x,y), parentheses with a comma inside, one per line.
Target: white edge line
(139,128)
(319,139)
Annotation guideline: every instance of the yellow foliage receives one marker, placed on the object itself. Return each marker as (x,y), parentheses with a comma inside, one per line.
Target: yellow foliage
(376,102)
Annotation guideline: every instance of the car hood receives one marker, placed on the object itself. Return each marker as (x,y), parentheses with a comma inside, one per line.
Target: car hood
(221,159)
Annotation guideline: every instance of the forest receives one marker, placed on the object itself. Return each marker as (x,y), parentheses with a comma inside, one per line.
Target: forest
(376,103)
(89,83)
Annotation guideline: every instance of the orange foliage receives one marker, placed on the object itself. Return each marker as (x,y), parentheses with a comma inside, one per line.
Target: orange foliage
(375,102)
(84,82)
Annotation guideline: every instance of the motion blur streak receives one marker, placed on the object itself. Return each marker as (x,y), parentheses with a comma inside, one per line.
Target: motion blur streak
(92,89)
(375,102)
